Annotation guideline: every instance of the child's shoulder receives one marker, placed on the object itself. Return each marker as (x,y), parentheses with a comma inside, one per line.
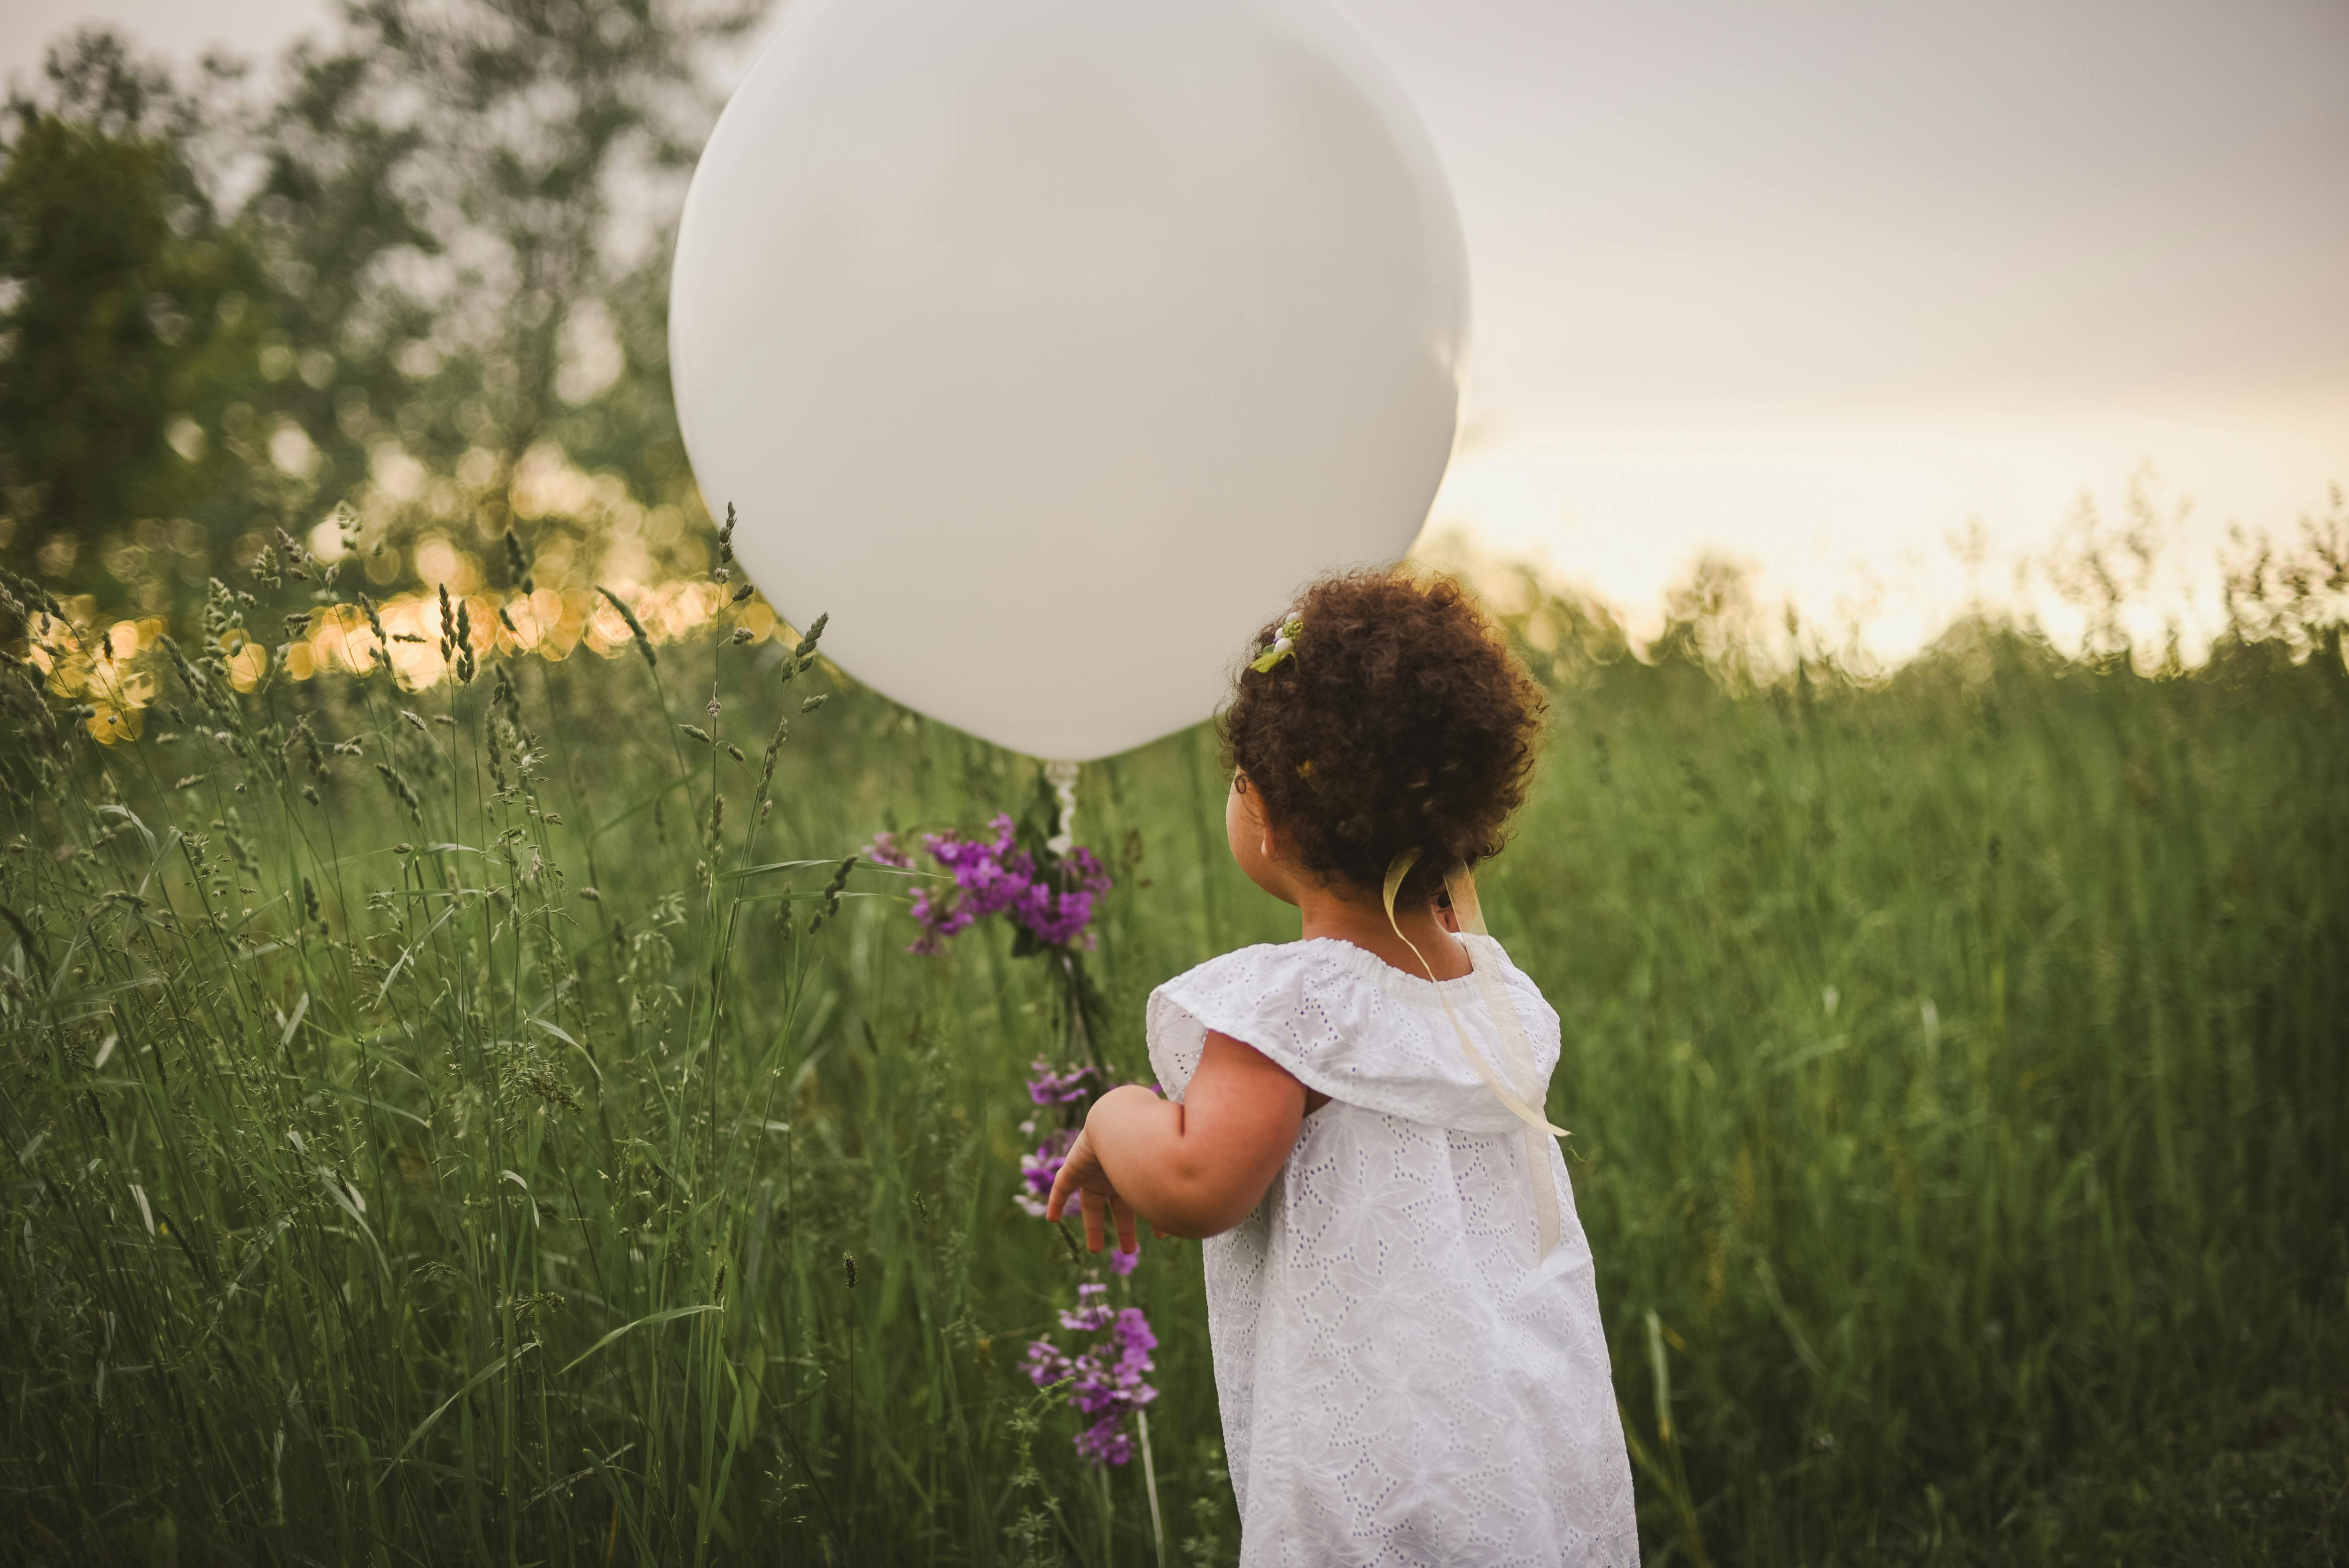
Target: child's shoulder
(1276,996)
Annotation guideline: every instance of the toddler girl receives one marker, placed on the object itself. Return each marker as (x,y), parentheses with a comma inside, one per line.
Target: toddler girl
(1407,1343)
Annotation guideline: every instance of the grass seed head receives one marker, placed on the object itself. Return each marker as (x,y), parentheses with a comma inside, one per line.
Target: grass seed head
(539,1304)
(814,635)
(517,568)
(635,627)
(396,782)
(375,625)
(832,893)
(296,556)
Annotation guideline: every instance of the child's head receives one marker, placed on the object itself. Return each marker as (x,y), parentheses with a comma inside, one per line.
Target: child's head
(1397,721)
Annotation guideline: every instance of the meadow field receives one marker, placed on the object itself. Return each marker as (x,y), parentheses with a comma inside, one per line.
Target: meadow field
(490,1121)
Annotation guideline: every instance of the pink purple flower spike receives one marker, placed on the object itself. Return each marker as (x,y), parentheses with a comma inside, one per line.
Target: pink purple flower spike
(1049,1088)
(992,876)
(1105,1379)
(1037,1171)
(1104,1443)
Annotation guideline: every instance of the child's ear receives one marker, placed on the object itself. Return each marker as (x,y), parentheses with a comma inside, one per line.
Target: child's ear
(1250,801)
(1269,836)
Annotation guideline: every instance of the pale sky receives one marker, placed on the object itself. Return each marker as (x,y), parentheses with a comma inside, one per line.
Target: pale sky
(1817,284)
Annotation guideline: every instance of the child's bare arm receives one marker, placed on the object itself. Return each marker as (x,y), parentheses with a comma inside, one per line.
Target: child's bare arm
(1191,1169)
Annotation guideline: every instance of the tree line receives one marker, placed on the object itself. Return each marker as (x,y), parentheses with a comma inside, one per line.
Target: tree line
(432,250)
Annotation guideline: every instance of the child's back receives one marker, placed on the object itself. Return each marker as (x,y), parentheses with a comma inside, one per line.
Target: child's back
(1402,1379)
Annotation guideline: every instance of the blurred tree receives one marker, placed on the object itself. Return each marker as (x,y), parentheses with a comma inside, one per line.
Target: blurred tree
(442,298)
(468,209)
(131,318)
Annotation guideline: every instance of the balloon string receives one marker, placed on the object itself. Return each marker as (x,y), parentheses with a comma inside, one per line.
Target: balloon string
(1062,776)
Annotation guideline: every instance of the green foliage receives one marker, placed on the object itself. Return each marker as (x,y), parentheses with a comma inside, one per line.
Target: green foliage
(445,260)
(133,320)
(467,1173)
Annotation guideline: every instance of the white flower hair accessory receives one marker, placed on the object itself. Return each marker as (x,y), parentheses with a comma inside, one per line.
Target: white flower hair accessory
(1284,646)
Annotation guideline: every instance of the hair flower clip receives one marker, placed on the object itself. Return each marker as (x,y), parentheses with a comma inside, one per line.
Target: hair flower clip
(1284,646)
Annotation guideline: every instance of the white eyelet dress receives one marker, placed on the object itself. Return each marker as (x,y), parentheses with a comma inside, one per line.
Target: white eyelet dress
(1403,1380)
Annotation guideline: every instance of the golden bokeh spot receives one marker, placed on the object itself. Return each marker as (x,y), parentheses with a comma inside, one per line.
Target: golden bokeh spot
(246,666)
(110,724)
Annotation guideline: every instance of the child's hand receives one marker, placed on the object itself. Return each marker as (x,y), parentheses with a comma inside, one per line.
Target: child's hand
(1081,1173)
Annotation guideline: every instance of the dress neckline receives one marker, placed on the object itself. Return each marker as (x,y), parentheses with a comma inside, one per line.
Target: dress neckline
(1395,980)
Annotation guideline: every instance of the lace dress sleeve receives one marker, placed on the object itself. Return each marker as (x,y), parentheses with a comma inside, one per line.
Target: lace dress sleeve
(1340,1021)
(1256,996)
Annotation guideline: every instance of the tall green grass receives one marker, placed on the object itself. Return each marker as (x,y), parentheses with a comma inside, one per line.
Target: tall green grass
(431,1136)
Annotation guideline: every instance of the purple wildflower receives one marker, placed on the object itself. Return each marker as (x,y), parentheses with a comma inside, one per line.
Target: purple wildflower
(1057,915)
(939,917)
(1049,1088)
(1038,1171)
(1089,1315)
(1047,1365)
(1104,1443)
(1105,1380)
(885,851)
(992,876)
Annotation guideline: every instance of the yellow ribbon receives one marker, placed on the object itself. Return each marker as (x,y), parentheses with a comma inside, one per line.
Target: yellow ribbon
(1538,1130)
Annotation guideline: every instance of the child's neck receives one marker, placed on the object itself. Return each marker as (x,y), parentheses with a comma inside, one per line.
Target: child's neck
(1346,917)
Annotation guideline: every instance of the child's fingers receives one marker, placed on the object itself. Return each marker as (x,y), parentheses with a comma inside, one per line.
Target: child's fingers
(1092,1228)
(1127,1241)
(1058,1199)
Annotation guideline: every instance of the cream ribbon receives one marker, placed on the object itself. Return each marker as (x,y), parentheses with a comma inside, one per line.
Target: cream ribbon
(1514,1047)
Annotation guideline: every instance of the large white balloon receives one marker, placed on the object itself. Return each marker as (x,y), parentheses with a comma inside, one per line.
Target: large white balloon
(1048,345)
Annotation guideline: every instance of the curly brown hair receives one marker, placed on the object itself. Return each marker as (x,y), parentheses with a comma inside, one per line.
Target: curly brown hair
(1398,721)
